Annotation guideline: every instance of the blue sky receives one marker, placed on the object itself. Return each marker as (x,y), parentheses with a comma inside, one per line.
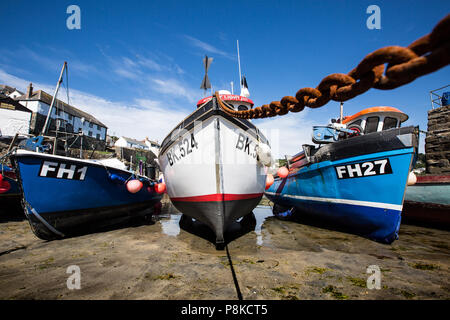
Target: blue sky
(137,66)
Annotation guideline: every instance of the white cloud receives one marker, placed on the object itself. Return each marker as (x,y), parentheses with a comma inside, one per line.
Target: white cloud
(175,88)
(207,47)
(288,133)
(151,118)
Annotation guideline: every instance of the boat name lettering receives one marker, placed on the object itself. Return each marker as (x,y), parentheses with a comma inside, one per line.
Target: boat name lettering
(182,152)
(243,143)
(62,170)
(364,169)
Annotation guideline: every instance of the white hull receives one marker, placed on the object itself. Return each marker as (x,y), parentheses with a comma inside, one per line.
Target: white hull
(212,172)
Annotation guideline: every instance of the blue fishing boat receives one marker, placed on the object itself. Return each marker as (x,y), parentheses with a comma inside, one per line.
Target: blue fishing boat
(357,176)
(62,194)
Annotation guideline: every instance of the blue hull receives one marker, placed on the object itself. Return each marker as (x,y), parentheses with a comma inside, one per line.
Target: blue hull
(91,192)
(367,205)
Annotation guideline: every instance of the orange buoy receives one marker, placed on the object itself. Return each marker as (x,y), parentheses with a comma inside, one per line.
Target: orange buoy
(283,172)
(160,187)
(134,186)
(269,181)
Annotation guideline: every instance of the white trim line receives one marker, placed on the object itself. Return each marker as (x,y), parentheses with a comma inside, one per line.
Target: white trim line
(397,207)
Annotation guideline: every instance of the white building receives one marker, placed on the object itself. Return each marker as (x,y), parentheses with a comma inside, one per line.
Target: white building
(136,144)
(125,142)
(14,118)
(73,119)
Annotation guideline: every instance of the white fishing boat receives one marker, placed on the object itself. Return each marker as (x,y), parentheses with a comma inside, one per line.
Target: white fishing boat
(214,164)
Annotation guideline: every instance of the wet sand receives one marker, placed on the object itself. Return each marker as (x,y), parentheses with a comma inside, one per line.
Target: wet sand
(272,259)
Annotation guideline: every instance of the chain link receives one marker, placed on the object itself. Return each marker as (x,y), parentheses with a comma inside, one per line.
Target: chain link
(425,55)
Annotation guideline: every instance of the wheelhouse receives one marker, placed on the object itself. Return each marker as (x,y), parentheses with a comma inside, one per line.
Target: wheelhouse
(376,119)
(238,103)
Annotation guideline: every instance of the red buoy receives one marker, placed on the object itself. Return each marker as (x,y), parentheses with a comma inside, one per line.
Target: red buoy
(5,186)
(283,172)
(269,181)
(160,187)
(134,186)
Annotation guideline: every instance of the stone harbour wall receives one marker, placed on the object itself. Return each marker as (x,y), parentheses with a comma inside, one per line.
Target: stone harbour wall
(437,142)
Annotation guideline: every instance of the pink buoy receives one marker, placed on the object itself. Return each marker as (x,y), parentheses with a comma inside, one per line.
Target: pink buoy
(134,186)
(269,181)
(283,172)
(160,187)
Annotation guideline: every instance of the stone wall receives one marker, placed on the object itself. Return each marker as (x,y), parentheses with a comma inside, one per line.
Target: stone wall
(437,142)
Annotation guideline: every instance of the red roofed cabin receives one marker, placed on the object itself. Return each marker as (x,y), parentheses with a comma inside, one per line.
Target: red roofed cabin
(375,119)
(238,102)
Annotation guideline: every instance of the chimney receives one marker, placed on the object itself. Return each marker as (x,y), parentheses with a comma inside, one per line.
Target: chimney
(29,91)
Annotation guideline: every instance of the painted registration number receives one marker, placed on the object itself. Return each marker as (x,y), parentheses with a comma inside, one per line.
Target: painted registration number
(364,169)
(62,170)
(182,149)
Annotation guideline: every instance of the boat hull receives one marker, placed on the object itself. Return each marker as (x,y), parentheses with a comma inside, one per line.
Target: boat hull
(428,201)
(366,204)
(218,179)
(69,194)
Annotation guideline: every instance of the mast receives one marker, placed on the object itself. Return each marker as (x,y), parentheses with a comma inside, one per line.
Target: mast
(239,64)
(44,129)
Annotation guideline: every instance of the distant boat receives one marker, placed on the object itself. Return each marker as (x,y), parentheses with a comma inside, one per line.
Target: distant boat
(428,201)
(355,178)
(211,164)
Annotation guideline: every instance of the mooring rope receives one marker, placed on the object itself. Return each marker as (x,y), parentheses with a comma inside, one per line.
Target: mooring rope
(404,64)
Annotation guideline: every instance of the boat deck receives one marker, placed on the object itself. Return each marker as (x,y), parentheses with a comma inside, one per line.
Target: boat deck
(273,259)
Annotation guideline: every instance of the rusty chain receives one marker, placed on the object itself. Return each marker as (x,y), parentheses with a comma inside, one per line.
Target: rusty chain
(425,55)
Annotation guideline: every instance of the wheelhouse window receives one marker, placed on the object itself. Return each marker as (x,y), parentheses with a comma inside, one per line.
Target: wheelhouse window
(371,124)
(357,122)
(242,107)
(389,123)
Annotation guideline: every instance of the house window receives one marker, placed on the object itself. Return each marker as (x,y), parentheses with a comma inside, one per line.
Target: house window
(91,125)
(98,136)
(99,128)
(90,133)
(389,123)
(57,112)
(70,117)
(371,124)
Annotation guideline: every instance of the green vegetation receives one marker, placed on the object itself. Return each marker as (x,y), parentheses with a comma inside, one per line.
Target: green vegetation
(333,291)
(358,282)
(424,266)
(167,276)
(315,269)
(407,294)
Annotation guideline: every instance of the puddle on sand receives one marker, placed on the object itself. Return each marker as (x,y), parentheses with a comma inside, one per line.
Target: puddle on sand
(170,220)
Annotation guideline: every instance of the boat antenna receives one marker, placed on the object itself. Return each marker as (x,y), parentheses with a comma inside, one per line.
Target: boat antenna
(342,111)
(232,91)
(206,84)
(44,129)
(239,64)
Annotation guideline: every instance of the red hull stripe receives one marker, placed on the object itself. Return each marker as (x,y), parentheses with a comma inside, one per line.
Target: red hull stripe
(218,197)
